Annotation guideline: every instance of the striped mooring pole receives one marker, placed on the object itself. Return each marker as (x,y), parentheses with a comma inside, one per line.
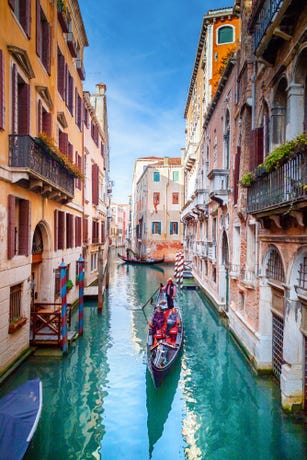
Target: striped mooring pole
(81,292)
(180,270)
(63,275)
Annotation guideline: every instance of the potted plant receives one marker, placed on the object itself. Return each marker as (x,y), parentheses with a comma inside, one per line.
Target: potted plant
(247,179)
(69,285)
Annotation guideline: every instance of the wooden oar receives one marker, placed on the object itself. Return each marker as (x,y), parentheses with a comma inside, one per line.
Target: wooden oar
(149,300)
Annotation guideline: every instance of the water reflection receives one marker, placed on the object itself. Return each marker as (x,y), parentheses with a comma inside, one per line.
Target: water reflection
(159,403)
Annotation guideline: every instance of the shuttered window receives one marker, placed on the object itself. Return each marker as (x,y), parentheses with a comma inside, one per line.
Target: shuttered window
(79,164)
(95,184)
(23,110)
(78,105)
(63,142)
(103,232)
(156,176)
(175,198)
(18,226)
(43,41)
(46,120)
(2,112)
(85,230)
(256,148)
(22,11)
(59,230)
(69,231)
(77,231)
(236,175)
(156,228)
(14,99)
(61,74)
(173,228)
(95,232)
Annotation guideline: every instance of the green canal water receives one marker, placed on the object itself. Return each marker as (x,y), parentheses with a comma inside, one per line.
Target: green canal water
(100,403)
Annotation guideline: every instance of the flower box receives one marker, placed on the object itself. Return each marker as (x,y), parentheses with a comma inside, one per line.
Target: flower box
(16,324)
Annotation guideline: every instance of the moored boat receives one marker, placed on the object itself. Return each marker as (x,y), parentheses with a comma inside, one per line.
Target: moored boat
(163,348)
(140,261)
(20,411)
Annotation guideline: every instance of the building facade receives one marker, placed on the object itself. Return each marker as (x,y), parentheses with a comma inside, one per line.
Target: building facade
(245,224)
(41,162)
(157,203)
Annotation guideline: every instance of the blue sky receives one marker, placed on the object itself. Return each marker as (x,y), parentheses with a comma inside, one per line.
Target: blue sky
(144,51)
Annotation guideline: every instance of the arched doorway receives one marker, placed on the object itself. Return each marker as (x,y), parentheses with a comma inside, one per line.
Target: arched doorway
(275,275)
(40,271)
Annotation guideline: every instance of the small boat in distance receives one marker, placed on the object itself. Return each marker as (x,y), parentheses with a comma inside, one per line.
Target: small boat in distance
(140,261)
(163,349)
(20,411)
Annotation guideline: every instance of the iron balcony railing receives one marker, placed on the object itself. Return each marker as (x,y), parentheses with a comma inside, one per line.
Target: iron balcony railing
(283,186)
(264,17)
(26,153)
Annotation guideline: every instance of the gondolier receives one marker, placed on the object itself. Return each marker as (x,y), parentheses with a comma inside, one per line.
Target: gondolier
(170,291)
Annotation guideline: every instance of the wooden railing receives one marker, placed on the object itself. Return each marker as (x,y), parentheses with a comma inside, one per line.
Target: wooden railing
(284,186)
(46,324)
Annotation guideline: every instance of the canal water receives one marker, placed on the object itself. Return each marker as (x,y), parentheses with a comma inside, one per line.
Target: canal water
(100,402)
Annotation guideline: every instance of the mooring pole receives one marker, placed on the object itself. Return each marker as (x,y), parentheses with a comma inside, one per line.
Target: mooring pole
(63,275)
(81,289)
(100,279)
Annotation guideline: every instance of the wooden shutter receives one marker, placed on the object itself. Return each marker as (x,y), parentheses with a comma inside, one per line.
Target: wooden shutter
(39,116)
(25,15)
(95,184)
(256,148)
(103,232)
(85,229)
(159,228)
(171,228)
(14,99)
(24,109)
(38,28)
(61,74)
(69,230)
(2,113)
(236,175)
(24,227)
(46,47)
(61,230)
(63,143)
(70,152)
(11,227)
(47,119)
(56,229)
(77,231)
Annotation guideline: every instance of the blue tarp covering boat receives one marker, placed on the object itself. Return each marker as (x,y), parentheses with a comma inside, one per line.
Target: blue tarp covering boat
(19,415)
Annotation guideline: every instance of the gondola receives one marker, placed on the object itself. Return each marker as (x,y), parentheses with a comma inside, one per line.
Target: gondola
(19,415)
(162,350)
(136,261)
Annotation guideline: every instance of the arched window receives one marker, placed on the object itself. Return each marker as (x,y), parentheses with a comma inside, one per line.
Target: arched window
(225,34)
(275,269)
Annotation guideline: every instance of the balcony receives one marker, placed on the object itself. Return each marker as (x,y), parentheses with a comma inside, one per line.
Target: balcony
(281,190)
(34,168)
(271,24)
(71,44)
(219,179)
(80,69)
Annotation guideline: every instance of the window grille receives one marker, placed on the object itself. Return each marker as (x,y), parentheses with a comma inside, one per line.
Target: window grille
(15,302)
(302,274)
(275,270)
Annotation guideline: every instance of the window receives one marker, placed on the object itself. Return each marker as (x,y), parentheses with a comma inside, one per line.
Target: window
(69,230)
(175,198)
(15,302)
(175,176)
(20,103)
(156,176)
(78,106)
(173,228)
(95,232)
(94,258)
(95,184)
(61,74)
(59,230)
(70,93)
(225,34)
(18,226)
(22,11)
(79,164)
(57,283)
(302,279)
(77,231)
(156,228)
(42,37)
(156,198)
